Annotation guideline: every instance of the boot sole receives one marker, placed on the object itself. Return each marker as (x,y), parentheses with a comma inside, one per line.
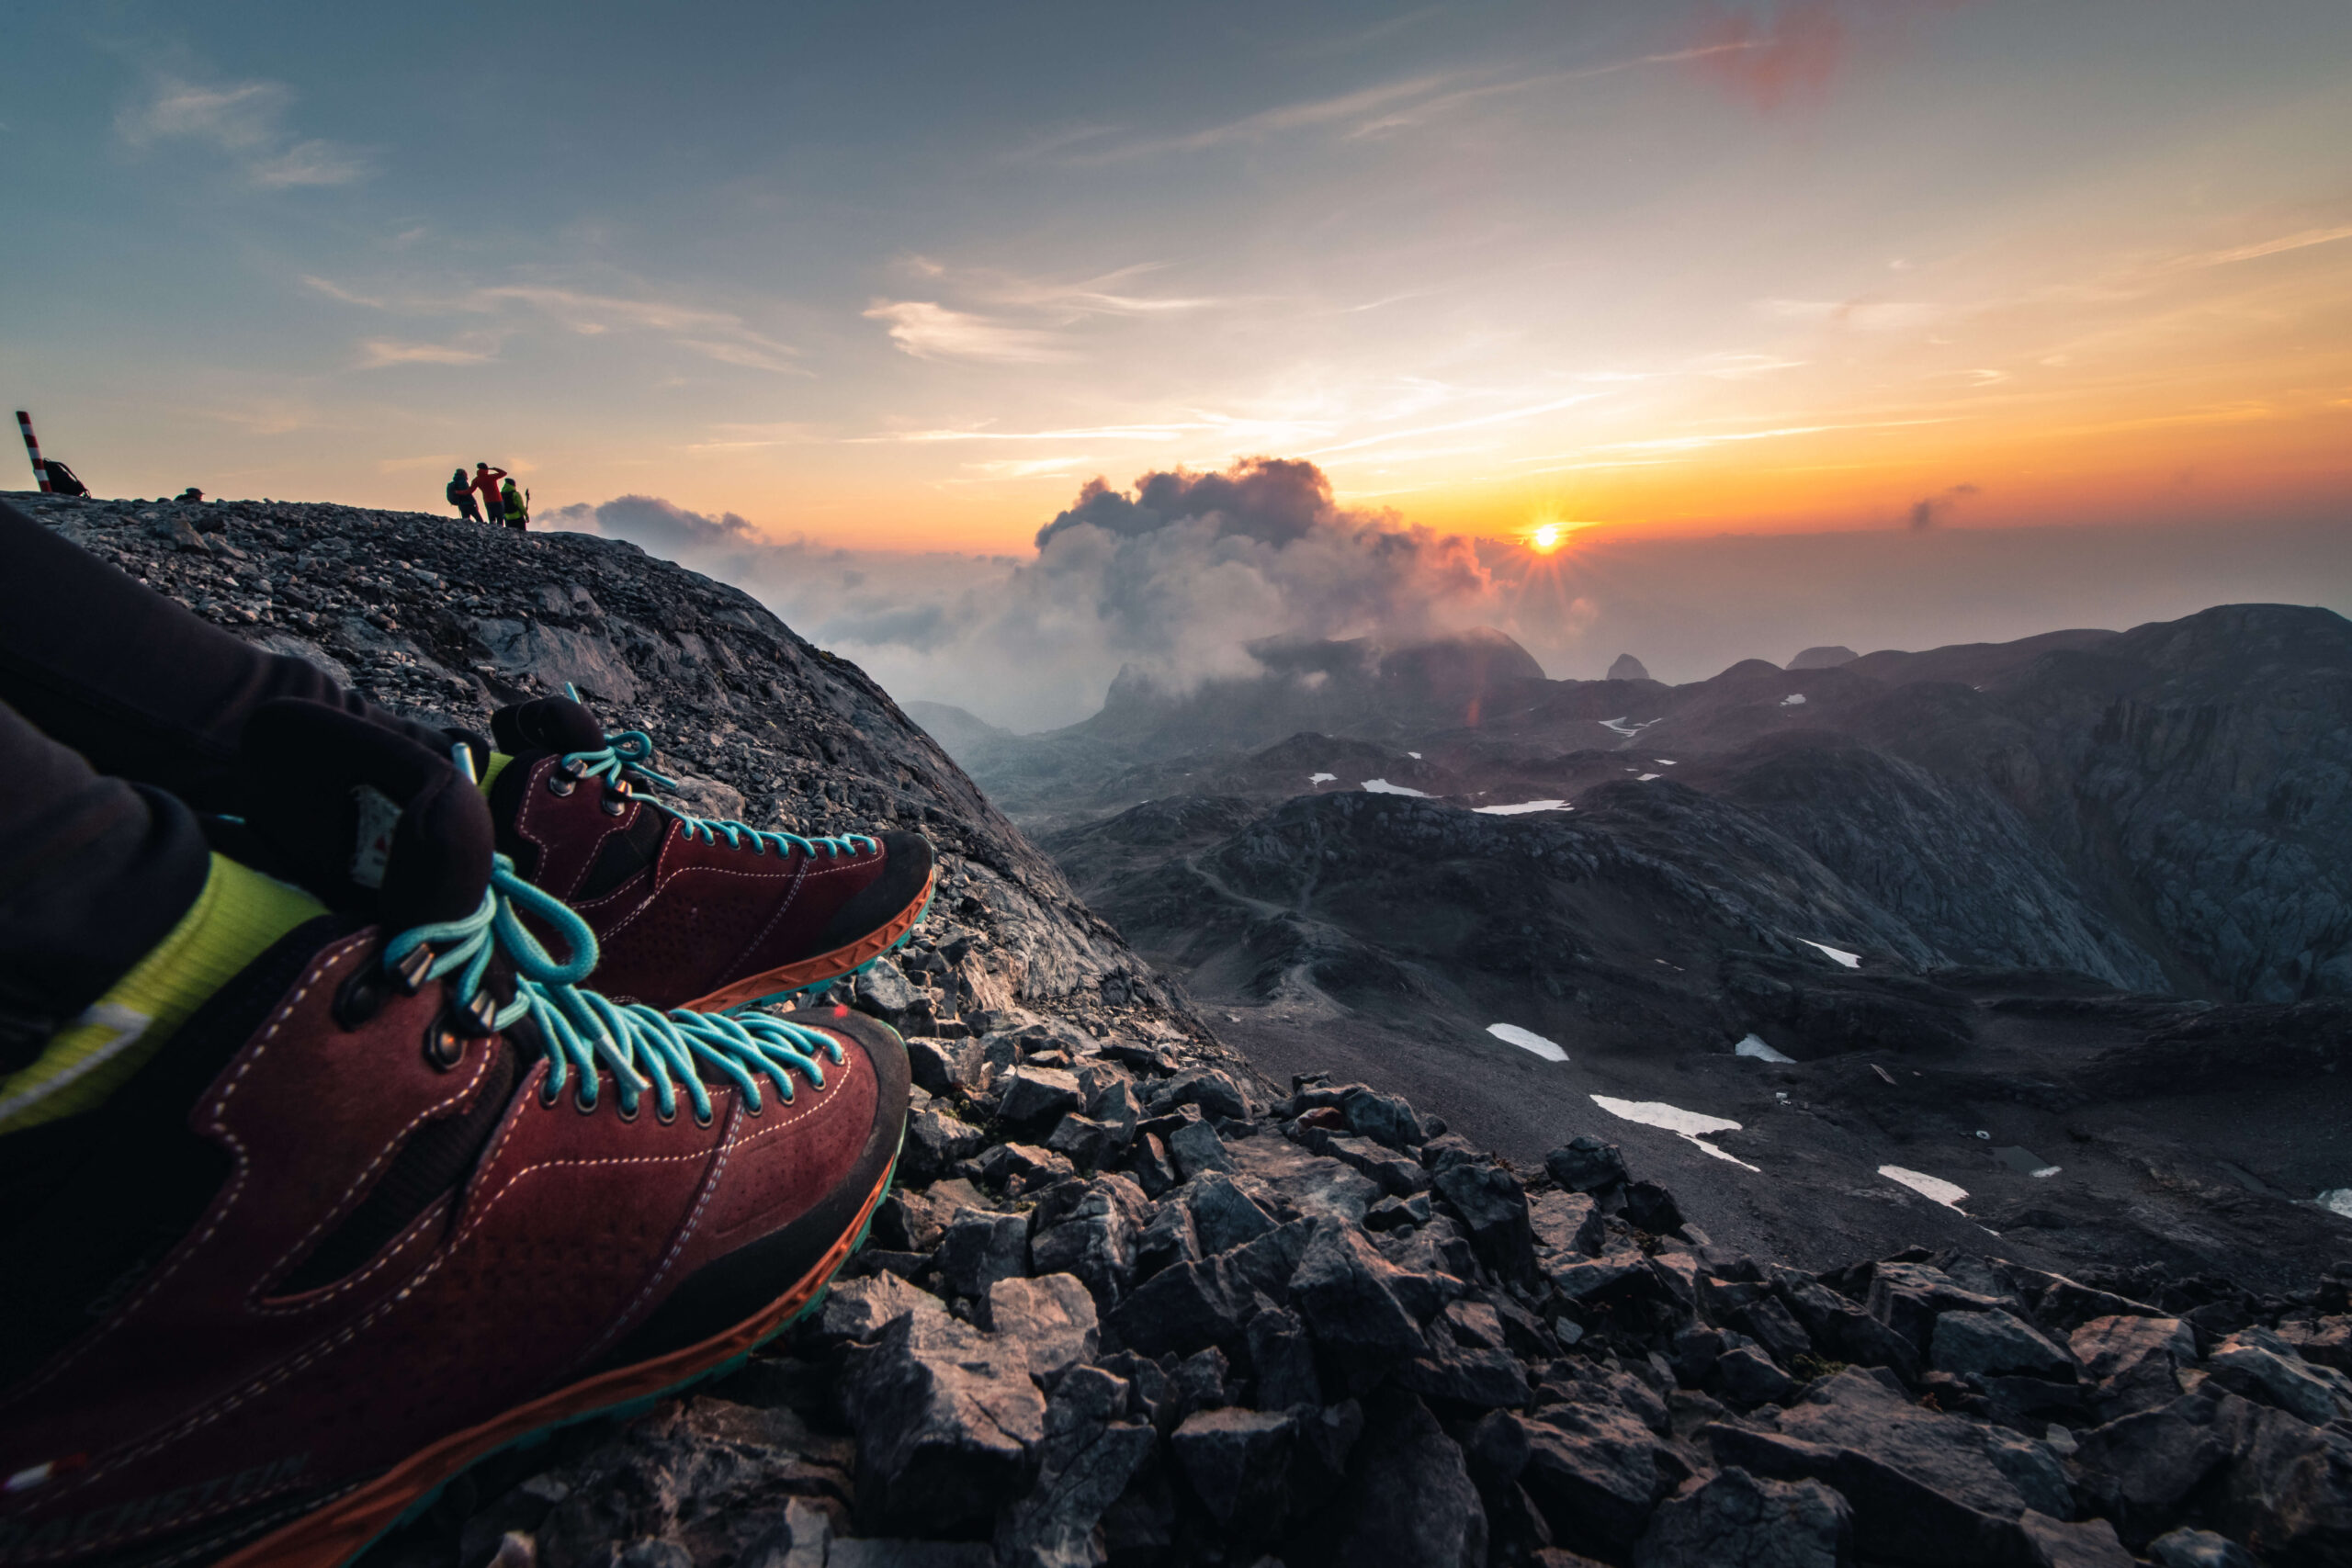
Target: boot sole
(340,1530)
(823,969)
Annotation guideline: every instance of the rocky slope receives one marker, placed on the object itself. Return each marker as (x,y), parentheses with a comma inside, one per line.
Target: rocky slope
(1131,1303)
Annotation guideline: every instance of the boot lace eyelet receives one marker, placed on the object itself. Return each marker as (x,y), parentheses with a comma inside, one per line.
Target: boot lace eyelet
(444,1048)
(614,803)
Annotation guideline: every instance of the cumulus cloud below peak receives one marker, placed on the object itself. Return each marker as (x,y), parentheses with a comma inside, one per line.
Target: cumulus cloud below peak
(1173,579)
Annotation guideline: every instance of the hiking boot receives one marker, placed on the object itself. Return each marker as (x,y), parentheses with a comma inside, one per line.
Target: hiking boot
(691,912)
(400,1195)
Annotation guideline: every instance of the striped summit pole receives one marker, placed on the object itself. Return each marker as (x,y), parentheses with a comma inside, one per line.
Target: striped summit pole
(41,469)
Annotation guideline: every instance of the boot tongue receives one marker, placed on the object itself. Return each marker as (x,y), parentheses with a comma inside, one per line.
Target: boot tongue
(364,817)
(547,724)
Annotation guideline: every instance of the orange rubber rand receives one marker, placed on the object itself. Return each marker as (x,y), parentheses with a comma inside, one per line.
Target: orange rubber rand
(825,965)
(341,1530)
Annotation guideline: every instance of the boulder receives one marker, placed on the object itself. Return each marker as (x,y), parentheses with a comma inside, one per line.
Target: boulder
(1585,1163)
(1394,1173)
(1195,1148)
(1736,1521)
(981,1249)
(2186,1548)
(1237,1464)
(1088,1144)
(1909,1297)
(2055,1543)
(935,1141)
(1343,1289)
(1565,1222)
(2142,1470)
(2133,1363)
(2287,1490)
(1217,1093)
(1747,1377)
(2264,1367)
(1181,1309)
(1593,1471)
(1408,1502)
(1282,1356)
(1016,1168)
(862,1308)
(1925,1488)
(1087,1459)
(1223,1215)
(1382,1118)
(1034,1098)
(1091,1229)
(1051,1317)
(1993,1344)
(1492,1207)
(947,1418)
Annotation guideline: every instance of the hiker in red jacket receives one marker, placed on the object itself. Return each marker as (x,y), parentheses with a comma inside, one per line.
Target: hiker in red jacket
(486,482)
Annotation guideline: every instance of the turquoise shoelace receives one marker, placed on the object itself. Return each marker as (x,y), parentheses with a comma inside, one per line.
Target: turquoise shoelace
(631,751)
(641,1047)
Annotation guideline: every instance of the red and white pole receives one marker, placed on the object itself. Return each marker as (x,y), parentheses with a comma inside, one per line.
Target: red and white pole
(41,469)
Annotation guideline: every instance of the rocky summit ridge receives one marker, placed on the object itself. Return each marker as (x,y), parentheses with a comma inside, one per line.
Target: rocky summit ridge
(1131,1303)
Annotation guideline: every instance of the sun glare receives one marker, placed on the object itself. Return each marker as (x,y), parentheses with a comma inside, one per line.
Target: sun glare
(1546,537)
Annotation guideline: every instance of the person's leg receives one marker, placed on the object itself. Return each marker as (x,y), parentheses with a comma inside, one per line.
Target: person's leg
(138,685)
(116,922)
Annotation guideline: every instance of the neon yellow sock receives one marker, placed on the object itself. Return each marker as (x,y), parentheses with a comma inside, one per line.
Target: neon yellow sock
(498,761)
(232,921)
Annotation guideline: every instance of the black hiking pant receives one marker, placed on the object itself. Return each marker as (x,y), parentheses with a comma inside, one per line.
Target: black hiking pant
(119,716)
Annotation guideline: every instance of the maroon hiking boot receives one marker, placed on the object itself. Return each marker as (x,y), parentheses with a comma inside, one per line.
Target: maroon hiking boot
(689,911)
(384,1205)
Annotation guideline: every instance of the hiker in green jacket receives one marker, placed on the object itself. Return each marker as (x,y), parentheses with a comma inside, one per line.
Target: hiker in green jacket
(517,505)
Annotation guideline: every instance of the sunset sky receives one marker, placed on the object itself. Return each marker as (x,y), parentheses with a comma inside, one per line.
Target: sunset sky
(898,276)
(819,285)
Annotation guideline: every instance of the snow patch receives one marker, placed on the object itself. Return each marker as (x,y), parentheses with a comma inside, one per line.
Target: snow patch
(1926,1186)
(1527,1040)
(1646,777)
(1524,806)
(1692,1125)
(1625,730)
(1415,755)
(1851,960)
(1381,786)
(1663,762)
(1320,778)
(1753,1045)
(2338,1200)
(1793,700)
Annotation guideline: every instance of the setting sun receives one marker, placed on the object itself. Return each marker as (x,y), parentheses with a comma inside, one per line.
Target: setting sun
(1547,538)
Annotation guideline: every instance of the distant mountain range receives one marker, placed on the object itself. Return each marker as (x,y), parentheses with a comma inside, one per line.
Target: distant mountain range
(1973,895)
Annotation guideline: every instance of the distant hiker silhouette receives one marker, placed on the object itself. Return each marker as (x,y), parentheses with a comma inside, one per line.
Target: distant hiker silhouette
(485,483)
(515,504)
(461,496)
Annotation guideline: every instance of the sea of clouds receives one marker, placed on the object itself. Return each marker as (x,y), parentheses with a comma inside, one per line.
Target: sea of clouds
(1175,575)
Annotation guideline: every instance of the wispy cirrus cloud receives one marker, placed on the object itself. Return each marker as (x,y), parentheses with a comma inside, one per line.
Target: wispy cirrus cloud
(244,121)
(376,353)
(1866,315)
(2304,239)
(720,335)
(1386,107)
(928,330)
